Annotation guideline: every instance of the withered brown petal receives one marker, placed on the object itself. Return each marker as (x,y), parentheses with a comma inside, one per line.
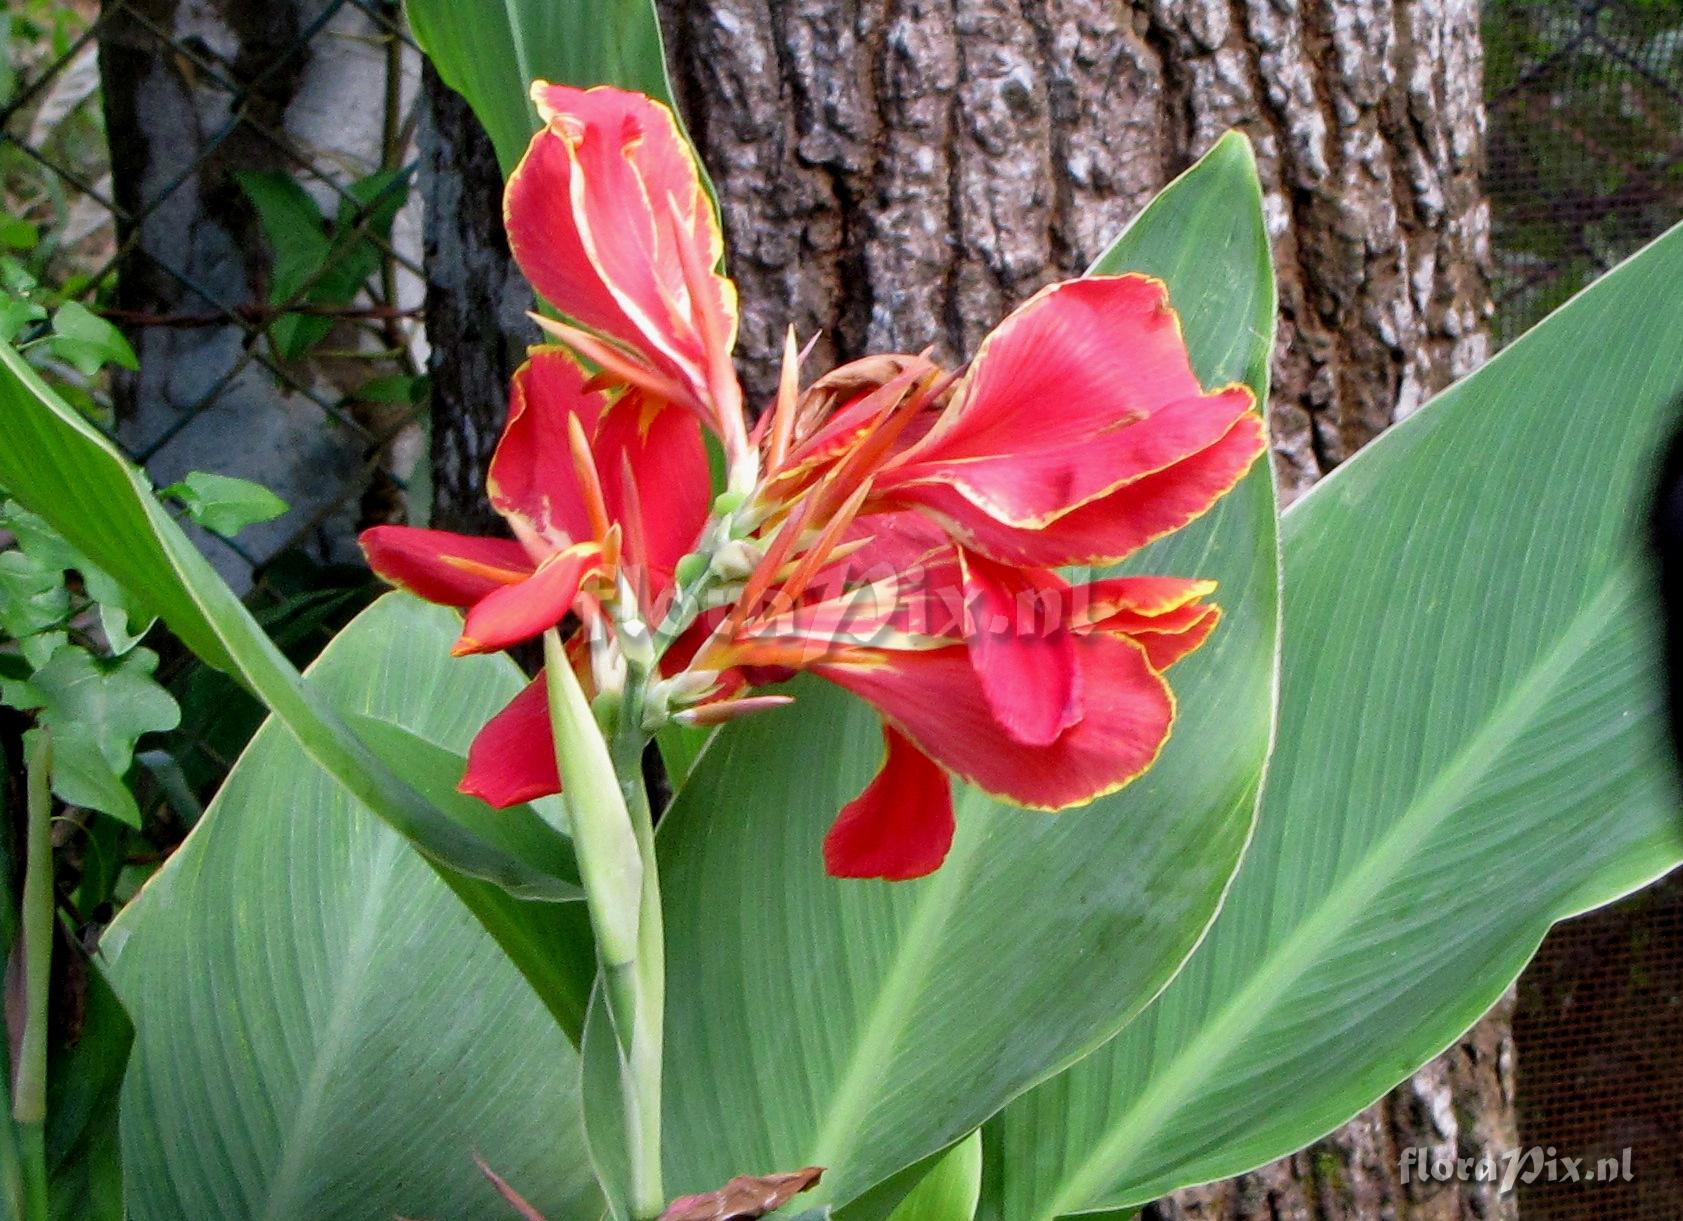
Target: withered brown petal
(745,1197)
(516,1201)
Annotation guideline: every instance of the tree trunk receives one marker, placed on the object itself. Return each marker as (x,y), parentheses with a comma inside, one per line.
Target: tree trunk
(899,173)
(476,304)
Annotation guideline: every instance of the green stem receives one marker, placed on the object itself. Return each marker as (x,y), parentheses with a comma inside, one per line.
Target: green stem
(29,1092)
(613,836)
(645,1048)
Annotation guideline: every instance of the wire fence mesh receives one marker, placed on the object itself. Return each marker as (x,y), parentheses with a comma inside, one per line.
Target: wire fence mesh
(230,184)
(1585,165)
(1585,142)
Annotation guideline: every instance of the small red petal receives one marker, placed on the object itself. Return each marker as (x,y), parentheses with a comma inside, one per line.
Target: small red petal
(1110,529)
(1021,649)
(1143,596)
(513,758)
(532,474)
(901,826)
(1165,644)
(450,569)
(519,612)
(935,698)
(662,446)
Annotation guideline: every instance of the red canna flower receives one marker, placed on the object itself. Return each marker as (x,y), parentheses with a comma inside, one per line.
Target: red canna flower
(596,486)
(1032,689)
(894,528)
(608,219)
(1078,434)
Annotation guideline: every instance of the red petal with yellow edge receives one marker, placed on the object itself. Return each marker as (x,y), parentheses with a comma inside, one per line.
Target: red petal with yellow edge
(1097,600)
(513,758)
(1086,386)
(936,699)
(519,612)
(532,476)
(901,826)
(544,238)
(1021,649)
(1034,487)
(597,212)
(667,457)
(1109,529)
(450,569)
(1168,638)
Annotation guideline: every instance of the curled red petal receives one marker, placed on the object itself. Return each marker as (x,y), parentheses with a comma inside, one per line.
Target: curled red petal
(1140,596)
(1164,615)
(901,826)
(532,475)
(1021,649)
(1169,638)
(935,698)
(513,758)
(1113,527)
(450,569)
(519,612)
(663,450)
(1085,387)
(605,212)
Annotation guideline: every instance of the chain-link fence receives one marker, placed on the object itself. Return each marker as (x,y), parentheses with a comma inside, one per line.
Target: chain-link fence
(1585,165)
(229,183)
(1585,153)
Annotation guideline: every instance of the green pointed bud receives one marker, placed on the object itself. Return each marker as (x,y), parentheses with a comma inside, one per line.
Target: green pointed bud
(610,862)
(605,708)
(690,568)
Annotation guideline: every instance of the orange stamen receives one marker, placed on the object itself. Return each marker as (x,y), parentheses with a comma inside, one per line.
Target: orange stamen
(729,710)
(636,532)
(616,362)
(819,553)
(590,482)
(783,413)
(721,380)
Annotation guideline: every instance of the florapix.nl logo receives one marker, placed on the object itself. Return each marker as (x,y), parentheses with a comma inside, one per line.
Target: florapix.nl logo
(1532,1164)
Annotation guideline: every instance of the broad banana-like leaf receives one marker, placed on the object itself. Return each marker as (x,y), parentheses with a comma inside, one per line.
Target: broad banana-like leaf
(57,464)
(321,1030)
(950,1190)
(863,1026)
(1472,746)
(490,52)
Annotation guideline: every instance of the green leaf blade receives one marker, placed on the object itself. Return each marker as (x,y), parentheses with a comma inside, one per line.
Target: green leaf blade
(491,51)
(354,1038)
(1473,747)
(58,466)
(865,1026)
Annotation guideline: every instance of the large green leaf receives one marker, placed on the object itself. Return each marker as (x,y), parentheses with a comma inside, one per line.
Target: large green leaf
(949,1191)
(84,1077)
(490,52)
(862,1026)
(321,1030)
(1471,747)
(58,465)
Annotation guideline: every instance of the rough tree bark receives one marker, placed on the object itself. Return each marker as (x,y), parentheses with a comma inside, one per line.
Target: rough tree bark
(898,173)
(476,304)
